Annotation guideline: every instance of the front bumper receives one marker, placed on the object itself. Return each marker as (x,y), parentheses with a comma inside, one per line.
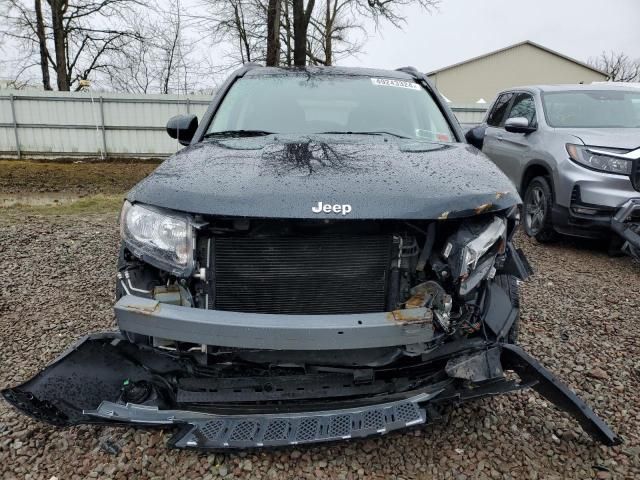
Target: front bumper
(601,220)
(626,223)
(269,331)
(90,384)
(596,188)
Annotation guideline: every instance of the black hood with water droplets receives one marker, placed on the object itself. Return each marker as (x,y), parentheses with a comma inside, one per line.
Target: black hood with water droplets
(284,176)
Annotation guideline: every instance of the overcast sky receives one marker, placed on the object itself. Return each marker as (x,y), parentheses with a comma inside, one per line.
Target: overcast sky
(463,29)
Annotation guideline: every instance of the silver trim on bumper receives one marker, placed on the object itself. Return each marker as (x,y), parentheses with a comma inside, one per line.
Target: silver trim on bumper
(269,430)
(268,331)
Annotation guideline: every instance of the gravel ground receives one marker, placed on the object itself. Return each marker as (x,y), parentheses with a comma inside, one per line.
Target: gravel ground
(580,318)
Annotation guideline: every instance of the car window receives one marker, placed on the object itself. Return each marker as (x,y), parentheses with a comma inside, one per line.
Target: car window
(499,109)
(304,104)
(523,106)
(592,108)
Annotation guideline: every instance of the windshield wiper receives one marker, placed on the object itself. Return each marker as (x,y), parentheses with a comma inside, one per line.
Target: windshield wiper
(238,133)
(381,132)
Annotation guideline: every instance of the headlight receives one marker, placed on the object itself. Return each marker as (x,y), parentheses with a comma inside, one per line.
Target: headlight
(476,248)
(598,161)
(163,239)
(465,250)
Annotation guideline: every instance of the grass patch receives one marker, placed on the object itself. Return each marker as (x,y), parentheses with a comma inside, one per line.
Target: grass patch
(107,204)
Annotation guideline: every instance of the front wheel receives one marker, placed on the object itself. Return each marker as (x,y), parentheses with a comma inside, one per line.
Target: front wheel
(538,201)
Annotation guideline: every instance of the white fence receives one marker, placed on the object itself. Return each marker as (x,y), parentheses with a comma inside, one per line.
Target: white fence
(106,125)
(62,124)
(469,113)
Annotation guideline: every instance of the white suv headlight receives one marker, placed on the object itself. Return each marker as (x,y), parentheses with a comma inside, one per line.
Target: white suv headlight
(159,237)
(598,160)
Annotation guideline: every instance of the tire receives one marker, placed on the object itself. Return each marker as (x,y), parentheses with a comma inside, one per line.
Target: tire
(538,203)
(510,285)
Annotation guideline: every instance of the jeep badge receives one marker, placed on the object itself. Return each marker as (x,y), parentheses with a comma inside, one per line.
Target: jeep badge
(328,208)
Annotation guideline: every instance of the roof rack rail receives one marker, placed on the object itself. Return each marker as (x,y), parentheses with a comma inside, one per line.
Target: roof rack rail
(410,70)
(250,65)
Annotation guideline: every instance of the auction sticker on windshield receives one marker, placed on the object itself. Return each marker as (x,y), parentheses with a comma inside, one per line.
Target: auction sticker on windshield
(390,82)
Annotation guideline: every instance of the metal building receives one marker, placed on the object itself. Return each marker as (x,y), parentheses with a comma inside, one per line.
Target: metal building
(481,78)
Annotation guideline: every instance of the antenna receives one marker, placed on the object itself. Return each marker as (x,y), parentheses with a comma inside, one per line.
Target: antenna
(85,85)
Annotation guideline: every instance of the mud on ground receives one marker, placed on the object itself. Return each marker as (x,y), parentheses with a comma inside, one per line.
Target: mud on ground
(83,178)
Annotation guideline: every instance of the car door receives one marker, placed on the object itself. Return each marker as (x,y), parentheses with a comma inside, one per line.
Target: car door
(493,134)
(513,151)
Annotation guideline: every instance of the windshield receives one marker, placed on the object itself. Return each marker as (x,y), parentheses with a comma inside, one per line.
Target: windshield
(593,109)
(304,104)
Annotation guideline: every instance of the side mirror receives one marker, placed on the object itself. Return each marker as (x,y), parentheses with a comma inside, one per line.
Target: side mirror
(182,127)
(475,136)
(518,125)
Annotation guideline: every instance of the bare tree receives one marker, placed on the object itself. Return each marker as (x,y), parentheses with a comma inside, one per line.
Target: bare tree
(18,42)
(74,37)
(334,33)
(242,23)
(172,42)
(301,18)
(42,46)
(273,32)
(286,33)
(618,66)
(322,44)
(163,59)
(338,30)
(391,10)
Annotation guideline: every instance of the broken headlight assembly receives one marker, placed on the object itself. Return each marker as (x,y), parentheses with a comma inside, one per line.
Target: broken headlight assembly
(472,250)
(159,237)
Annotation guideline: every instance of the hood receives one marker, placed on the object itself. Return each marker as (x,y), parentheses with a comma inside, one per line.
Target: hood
(626,138)
(285,177)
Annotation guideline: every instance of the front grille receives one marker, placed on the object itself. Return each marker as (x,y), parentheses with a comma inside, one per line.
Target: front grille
(316,274)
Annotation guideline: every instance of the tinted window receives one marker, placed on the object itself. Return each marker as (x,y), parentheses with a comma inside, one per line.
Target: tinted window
(593,109)
(523,106)
(498,110)
(305,104)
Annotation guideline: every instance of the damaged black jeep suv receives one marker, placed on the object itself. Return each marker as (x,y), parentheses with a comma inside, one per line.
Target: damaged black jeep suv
(326,259)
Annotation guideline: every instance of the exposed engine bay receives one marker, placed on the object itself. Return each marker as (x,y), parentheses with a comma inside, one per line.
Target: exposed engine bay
(422,273)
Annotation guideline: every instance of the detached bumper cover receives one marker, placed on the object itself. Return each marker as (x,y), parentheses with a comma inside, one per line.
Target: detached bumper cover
(85,385)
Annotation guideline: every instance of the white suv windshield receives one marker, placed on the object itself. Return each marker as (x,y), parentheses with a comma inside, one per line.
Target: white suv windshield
(305,104)
(592,109)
